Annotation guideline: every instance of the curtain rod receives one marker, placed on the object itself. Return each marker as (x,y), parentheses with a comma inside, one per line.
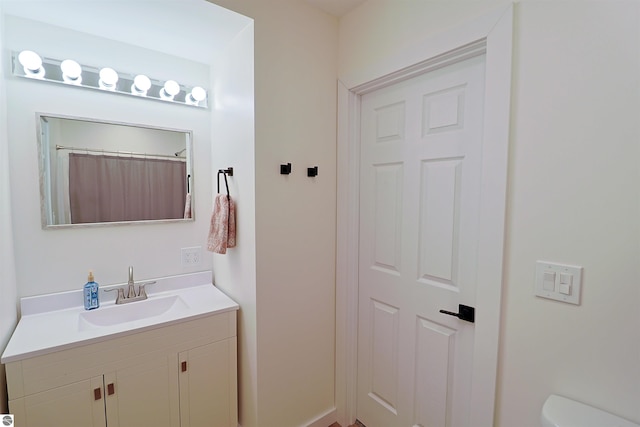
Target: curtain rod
(128,153)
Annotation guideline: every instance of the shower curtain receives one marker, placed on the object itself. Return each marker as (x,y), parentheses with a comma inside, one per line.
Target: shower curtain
(112,188)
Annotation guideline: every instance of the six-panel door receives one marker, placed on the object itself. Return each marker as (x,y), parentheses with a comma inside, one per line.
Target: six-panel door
(420,170)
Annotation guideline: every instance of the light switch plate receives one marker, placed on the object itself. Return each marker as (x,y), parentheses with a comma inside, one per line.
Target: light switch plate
(561,273)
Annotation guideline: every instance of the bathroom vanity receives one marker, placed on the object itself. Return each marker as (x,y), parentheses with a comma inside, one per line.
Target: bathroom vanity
(170,360)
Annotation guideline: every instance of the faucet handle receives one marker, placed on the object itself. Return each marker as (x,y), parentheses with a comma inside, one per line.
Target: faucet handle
(142,292)
(131,293)
(120,296)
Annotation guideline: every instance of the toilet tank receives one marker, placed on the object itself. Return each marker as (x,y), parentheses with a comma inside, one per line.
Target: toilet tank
(559,411)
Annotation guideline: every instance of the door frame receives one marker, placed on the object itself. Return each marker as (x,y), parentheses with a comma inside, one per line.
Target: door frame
(491,33)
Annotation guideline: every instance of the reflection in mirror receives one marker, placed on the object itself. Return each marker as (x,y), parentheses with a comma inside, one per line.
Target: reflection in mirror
(96,172)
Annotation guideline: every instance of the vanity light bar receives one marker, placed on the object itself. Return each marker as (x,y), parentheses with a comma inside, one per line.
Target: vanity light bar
(30,65)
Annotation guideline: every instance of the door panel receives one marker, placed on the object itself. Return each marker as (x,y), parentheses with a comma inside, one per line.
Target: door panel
(387,218)
(421,157)
(140,395)
(208,385)
(439,217)
(383,381)
(77,404)
(435,345)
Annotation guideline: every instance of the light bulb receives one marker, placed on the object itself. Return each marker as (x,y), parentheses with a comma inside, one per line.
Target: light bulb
(31,64)
(170,89)
(197,94)
(108,79)
(71,71)
(141,84)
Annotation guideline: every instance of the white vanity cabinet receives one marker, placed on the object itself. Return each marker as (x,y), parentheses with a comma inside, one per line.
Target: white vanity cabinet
(208,385)
(182,374)
(141,395)
(94,401)
(72,404)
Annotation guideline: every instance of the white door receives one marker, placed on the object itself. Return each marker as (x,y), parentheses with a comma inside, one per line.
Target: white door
(421,164)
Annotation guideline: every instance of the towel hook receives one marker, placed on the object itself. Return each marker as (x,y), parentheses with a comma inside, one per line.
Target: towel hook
(221,171)
(285,169)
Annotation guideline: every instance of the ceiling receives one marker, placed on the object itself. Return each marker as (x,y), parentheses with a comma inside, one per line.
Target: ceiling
(336,7)
(195,28)
(191,29)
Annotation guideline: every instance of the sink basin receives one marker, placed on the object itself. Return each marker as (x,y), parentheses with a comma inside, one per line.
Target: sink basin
(129,312)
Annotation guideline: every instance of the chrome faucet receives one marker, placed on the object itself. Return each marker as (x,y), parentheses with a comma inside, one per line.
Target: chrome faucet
(131,291)
(132,288)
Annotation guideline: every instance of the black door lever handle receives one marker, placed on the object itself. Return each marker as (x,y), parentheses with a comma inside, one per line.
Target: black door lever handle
(465,313)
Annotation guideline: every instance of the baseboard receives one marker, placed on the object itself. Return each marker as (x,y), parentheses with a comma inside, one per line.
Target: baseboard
(325,420)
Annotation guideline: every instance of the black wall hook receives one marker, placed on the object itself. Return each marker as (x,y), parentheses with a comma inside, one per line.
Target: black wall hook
(228,171)
(312,171)
(285,169)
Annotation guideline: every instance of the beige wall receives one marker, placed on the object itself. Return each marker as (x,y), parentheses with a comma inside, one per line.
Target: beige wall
(295,118)
(574,116)
(573,189)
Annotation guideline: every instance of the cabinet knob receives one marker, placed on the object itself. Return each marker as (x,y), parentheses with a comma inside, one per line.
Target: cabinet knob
(183,366)
(110,389)
(97,393)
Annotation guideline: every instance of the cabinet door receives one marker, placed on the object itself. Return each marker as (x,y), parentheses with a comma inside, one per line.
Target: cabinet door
(208,385)
(141,395)
(77,404)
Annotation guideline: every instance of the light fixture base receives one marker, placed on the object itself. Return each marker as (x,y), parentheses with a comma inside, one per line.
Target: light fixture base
(90,79)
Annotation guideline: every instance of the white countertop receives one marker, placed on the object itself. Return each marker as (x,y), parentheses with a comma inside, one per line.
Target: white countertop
(54,322)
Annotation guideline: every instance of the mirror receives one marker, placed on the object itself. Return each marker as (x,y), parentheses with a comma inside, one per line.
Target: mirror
(95,172)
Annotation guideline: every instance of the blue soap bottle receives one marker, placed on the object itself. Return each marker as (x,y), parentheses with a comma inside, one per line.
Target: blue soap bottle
(91,294)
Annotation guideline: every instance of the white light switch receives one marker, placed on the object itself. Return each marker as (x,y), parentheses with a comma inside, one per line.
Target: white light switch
(565,283)
(565,278)
(549,281)
(565,289)
(558,281)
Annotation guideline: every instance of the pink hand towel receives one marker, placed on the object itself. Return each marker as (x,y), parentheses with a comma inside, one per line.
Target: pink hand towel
(222,233)
(231,239)
(187,206)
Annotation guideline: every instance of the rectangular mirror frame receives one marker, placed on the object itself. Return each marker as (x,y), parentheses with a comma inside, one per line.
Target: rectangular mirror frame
(45,199)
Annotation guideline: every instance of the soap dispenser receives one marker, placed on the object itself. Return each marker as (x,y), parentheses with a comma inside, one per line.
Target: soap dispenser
(91,293)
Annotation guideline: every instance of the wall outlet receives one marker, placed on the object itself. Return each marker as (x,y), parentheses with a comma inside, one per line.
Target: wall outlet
(191,256)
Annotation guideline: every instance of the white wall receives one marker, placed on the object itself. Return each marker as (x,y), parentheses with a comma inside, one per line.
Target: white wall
(153,250)
(233,145)
(97,136)
(573,188)
(8,299)
(295,107)
(57,260)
